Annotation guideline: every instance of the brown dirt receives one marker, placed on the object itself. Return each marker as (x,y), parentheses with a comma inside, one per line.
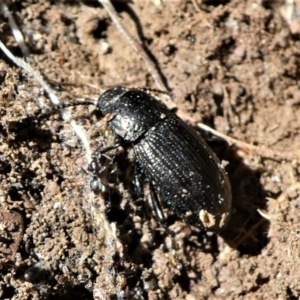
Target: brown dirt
(233,65)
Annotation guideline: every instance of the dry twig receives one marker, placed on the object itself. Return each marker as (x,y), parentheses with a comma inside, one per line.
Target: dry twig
(15,29)
(252,149)
(52,96)
(135,45)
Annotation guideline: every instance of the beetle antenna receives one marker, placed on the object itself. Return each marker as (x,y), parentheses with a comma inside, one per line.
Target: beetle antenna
(65,105)
(85,102)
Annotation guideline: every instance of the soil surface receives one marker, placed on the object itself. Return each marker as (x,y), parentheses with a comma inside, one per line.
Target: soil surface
(233,65)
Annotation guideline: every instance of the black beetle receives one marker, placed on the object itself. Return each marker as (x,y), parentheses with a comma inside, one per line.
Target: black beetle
(180,167)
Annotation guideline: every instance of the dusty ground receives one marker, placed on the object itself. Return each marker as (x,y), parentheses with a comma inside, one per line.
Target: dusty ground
(233,65)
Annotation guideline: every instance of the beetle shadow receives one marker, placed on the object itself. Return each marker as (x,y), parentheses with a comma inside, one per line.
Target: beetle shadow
(247,230)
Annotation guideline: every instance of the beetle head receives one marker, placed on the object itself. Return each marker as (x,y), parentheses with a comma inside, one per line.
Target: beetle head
(133,111)
(110,101)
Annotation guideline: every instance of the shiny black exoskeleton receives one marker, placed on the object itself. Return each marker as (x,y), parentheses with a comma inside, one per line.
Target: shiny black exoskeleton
(181,169)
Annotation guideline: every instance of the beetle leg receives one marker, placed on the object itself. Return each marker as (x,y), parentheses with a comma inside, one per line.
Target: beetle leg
(96,168)
(139,190)
(138,182)
(161,217)
(159,212)
(107,149)
(157,207)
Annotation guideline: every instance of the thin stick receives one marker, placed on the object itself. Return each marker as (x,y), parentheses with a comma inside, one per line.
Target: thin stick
(80,132)
(258,150)
(37,76)
(15,29)
(134,44)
